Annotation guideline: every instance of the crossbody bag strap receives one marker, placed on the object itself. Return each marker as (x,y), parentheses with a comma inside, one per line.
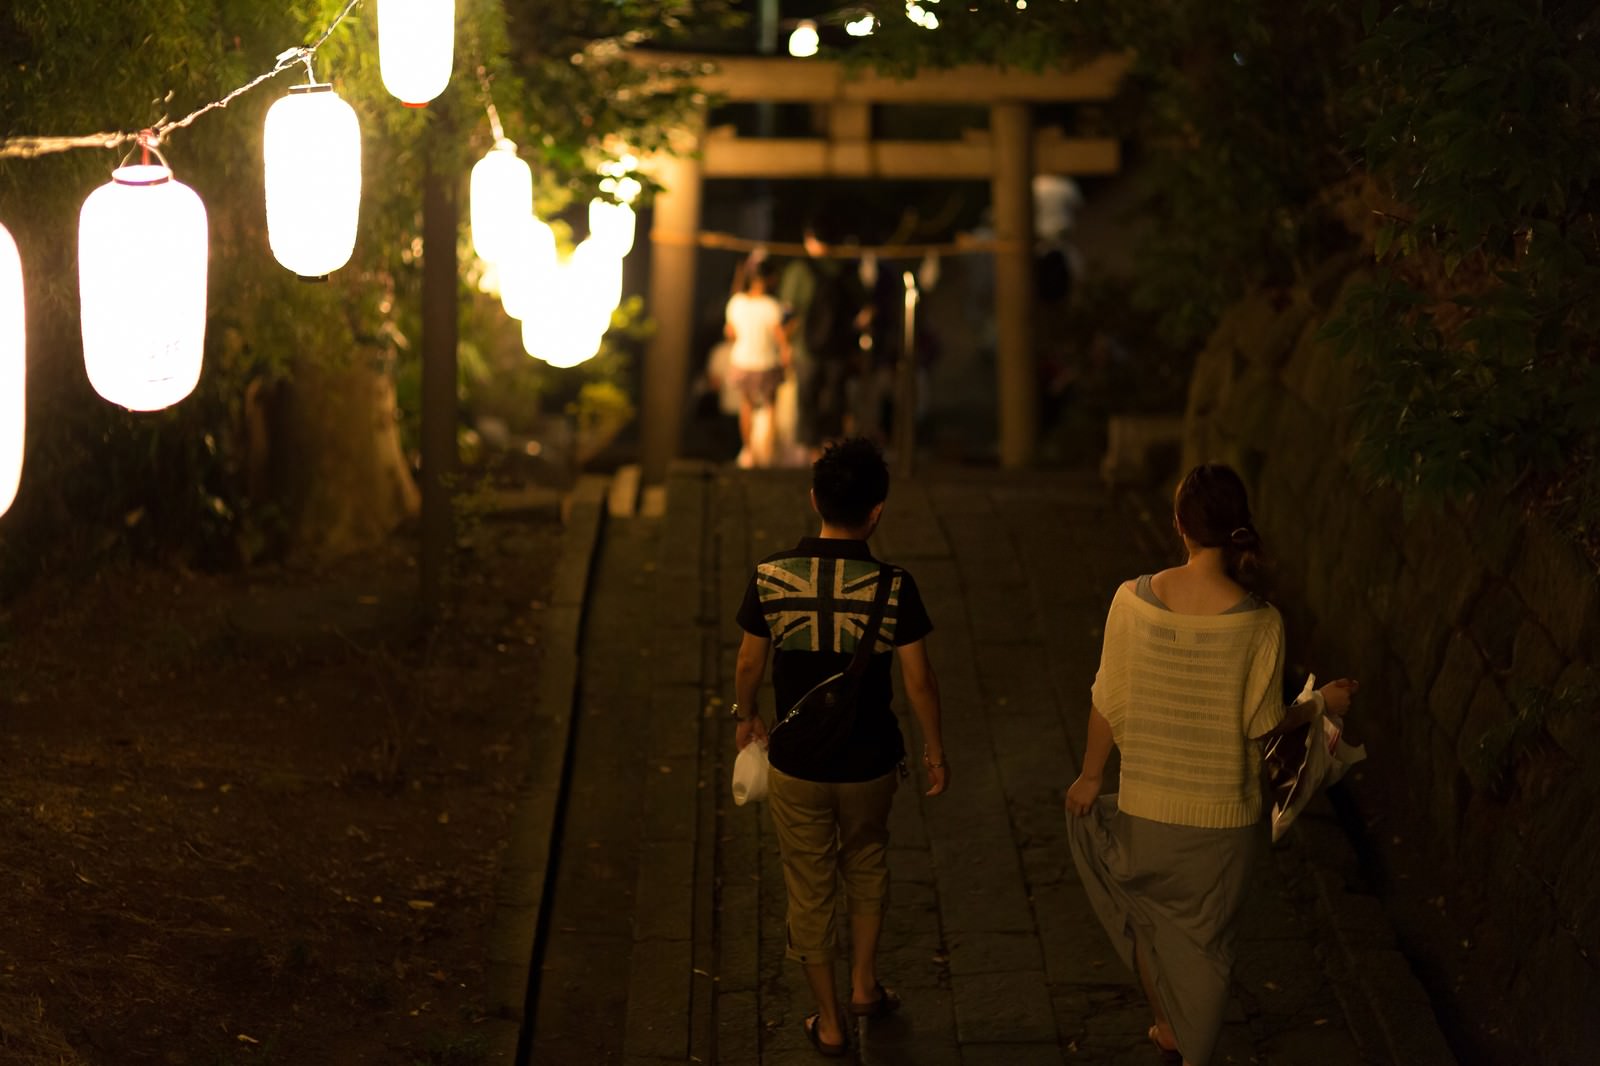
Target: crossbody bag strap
(869,635)
(863,655)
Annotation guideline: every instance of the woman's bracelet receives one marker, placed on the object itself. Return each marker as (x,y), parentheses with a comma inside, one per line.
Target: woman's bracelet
(940,765)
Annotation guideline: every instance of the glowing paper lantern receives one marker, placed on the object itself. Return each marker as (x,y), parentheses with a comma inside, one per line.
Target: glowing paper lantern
(567,330)
(13,370)
(594,280)
(612,225)
(502,192)
(312,150)
(416,48)
(561,342)
(142,249)
(803,42)
(527,270)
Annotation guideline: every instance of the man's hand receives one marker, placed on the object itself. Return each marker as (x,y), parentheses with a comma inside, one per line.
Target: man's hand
(1082,794)
(752,728)
(938,776)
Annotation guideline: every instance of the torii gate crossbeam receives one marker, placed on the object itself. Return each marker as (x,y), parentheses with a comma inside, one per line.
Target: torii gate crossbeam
(1009,153)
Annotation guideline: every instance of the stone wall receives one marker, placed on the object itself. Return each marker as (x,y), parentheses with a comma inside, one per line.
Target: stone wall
(1475,632)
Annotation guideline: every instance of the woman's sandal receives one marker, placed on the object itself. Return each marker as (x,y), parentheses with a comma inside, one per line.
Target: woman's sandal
(832,1051)
(883,1006)
(1170,1056)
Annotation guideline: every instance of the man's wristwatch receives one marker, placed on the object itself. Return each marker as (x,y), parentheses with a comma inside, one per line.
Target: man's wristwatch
(737,717)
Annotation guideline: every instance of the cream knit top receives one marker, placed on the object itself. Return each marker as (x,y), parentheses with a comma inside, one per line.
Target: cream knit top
(1185,695)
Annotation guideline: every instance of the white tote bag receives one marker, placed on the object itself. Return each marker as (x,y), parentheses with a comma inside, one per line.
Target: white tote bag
(750,773)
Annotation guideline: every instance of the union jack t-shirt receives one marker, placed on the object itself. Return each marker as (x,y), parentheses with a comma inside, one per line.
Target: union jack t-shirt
(813,602)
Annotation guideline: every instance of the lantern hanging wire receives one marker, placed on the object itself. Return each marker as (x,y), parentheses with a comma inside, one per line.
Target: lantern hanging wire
(495,129)
(29,147)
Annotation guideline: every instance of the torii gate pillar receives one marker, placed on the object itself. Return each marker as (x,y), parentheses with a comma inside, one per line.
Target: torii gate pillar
(673,246)
(1011,130)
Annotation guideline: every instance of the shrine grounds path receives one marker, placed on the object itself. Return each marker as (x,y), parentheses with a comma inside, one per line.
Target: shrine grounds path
(654,906)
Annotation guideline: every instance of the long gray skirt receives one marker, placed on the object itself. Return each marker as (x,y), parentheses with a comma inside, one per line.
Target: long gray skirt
(1171,893)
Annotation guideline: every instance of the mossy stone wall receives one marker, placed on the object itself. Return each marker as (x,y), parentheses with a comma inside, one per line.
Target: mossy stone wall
(1474,629)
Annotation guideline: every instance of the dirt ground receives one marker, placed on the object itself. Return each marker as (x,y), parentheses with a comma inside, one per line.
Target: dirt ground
(256,819)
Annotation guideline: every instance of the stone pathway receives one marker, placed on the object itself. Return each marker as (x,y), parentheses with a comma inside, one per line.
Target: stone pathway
(663,929)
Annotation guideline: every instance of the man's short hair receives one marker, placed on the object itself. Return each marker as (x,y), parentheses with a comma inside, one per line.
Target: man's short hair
(849,480)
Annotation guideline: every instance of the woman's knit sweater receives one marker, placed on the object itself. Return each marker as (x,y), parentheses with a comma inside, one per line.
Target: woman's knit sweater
(1184,696)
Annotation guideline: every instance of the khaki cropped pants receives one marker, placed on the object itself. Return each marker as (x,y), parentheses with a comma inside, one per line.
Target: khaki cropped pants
(826,830)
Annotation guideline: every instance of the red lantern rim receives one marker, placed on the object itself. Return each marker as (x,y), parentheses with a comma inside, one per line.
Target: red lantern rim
(141,174)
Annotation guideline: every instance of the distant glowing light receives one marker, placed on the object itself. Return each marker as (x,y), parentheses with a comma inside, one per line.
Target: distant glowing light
(619,180)
(804,41)
(863,26)
(921,16)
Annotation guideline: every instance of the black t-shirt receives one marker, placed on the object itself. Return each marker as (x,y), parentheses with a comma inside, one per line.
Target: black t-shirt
(813,602)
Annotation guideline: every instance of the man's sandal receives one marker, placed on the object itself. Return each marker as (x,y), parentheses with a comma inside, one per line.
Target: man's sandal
(884,1005)
(832,1051)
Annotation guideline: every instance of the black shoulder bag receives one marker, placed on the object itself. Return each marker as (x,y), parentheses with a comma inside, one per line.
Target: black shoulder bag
(824,716)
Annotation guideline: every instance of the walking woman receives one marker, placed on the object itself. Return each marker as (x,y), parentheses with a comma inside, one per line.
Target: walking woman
(760,355)
(1190,678)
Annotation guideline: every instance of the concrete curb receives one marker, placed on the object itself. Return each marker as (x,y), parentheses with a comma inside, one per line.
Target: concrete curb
(522,882)
(1377,989)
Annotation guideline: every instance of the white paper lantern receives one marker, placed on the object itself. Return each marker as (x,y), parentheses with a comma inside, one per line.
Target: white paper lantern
(416,48)
(528,269)
(804,40)
(594,280)
(142,249)
(13,370)
(612,225)
(501,193)
(561,341)
(312,150)
(567,329)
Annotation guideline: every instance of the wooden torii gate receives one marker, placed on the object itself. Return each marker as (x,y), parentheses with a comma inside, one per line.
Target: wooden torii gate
(1008,153)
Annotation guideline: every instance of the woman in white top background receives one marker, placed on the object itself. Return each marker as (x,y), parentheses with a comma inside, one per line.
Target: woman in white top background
(760,355)
(1190,678)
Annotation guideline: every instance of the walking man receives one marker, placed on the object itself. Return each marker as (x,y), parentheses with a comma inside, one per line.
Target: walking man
(834,770)
(822,306)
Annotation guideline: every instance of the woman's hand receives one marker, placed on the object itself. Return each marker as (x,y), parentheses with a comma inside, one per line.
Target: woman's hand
(938,773)
(752,728)
(1082,794)
(1336,696)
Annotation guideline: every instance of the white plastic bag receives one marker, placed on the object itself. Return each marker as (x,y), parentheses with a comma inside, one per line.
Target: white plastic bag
(1325,760)
(750,773)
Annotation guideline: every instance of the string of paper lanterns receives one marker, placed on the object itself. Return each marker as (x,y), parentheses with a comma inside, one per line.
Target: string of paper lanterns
(564,306)
(143,243)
